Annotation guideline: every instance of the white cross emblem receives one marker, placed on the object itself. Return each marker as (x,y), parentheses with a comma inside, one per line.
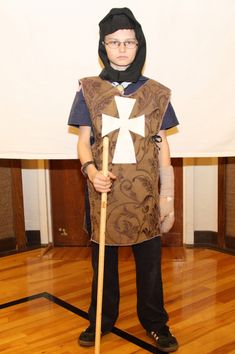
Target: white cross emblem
(124,151)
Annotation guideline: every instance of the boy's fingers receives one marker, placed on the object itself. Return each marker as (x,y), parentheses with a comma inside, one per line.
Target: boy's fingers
(112,175)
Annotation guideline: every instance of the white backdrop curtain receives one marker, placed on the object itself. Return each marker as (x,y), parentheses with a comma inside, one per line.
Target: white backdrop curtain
(47,45)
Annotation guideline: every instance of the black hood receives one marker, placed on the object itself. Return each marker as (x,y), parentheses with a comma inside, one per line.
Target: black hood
(122,18)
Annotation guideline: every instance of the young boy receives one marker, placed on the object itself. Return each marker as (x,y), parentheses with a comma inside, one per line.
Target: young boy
(134,112)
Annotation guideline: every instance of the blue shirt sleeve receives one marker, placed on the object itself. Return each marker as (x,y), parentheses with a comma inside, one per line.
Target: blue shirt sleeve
(169,120)
(79,114)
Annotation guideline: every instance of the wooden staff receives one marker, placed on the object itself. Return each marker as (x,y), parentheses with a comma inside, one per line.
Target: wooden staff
(101,250)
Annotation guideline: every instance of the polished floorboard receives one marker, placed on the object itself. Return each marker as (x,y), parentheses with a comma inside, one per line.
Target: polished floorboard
(44,296)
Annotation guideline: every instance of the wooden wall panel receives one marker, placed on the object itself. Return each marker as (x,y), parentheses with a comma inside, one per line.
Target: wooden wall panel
(12,227)
(226,203)
(230,197)
(6,211)
(67,198)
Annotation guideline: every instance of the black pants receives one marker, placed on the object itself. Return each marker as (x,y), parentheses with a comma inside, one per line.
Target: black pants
(150,304)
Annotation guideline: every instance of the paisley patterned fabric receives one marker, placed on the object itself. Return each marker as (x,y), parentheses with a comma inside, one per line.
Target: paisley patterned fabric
(133,203)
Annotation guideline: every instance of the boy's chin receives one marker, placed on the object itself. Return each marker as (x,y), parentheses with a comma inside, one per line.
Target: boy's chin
(120,67)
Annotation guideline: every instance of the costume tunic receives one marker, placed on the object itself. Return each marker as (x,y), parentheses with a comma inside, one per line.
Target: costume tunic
(79,114)
(133,203)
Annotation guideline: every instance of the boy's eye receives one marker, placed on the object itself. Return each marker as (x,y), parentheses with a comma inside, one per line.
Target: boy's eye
(114,43)
(130,44)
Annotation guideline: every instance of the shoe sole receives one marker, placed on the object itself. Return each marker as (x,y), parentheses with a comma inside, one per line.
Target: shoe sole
(165,350)
(84,343)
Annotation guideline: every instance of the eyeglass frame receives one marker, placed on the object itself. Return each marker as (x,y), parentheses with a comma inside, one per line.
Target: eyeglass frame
(120,42)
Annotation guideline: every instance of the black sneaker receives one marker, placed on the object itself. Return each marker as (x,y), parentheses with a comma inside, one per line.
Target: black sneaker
(87,337)
(164,340)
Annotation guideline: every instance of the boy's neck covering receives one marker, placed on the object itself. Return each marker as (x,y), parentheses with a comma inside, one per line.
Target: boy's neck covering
(121,18)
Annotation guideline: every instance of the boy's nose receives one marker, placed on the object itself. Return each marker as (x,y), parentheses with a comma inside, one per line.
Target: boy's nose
(122,47)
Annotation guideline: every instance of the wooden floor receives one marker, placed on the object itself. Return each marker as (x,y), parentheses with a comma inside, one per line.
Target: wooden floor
(43,299)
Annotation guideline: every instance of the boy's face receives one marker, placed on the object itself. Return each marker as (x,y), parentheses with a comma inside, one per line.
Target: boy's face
(121,47)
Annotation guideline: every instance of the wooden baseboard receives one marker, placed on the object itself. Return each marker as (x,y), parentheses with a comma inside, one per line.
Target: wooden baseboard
(7,244)
(172,239)
(33,237)
(210,239)
(205,237)
(229,242)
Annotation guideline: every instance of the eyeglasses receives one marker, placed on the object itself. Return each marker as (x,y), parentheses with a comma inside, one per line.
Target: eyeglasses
(114,44)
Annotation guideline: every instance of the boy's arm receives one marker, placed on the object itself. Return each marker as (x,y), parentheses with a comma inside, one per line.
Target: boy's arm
(166,184)
(100,182)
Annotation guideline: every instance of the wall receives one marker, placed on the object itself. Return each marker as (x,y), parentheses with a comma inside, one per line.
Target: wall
(31,194)
(200,197)
(205,194)
(36,192)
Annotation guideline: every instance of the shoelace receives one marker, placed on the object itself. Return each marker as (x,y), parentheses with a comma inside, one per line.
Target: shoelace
(155,335)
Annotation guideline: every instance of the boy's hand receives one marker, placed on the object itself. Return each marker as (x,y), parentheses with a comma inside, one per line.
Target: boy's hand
(102,183)
(166,213)
(167,198)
